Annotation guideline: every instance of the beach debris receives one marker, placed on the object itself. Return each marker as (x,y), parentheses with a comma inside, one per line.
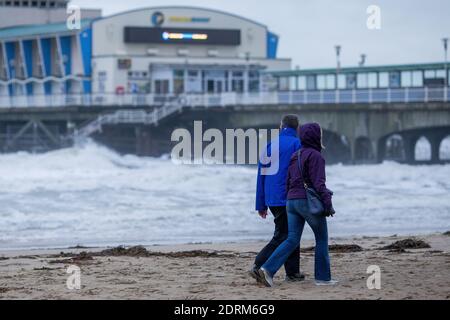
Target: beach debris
(83,256)
(410,243)
(4,258)
(137,251)
(80,258)
(339,248)
(398,250)
(44,269)
(140,251)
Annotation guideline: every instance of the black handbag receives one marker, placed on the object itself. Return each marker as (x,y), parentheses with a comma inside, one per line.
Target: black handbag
(315,205)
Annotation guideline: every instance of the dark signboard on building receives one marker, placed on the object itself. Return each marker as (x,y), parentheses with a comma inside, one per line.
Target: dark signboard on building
(222,37)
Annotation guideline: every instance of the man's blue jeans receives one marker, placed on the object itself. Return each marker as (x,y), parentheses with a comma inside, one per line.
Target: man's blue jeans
(297,215)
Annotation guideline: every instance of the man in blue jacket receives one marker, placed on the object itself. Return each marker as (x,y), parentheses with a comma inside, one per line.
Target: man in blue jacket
(271,194)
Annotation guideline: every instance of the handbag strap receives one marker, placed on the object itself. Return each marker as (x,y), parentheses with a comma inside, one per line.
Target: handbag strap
(299,160)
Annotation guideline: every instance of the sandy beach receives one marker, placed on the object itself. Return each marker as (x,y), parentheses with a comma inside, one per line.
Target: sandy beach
(219,271)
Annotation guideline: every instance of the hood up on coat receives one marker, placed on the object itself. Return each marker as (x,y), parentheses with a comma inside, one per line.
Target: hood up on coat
(311,136)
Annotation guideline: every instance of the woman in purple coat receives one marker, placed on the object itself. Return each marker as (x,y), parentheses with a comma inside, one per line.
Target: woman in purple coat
(313,167)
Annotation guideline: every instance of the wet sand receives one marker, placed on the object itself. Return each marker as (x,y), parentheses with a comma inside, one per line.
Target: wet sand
(219,271)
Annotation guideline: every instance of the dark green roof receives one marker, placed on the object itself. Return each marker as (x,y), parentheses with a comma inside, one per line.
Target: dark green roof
(36,30)
(385,68)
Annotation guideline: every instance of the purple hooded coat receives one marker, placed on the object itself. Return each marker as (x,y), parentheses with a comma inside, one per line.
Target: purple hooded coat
(313,165)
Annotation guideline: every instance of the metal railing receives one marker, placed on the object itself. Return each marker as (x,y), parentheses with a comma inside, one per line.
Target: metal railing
(127,117)
(388,95)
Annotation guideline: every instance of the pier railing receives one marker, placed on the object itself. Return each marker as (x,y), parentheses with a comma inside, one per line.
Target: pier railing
(356,96)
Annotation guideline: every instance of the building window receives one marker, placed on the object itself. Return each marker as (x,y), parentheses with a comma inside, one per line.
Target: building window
(300,83)
(237,85)
(237,81)
(178,81)
(406,79)
(394,79)
(253,81)
(124,64)
(342,84)
(383,79)
(351,81)
(194,81)
(440,74)
(372,81)
(320,82)
(417,79)
(362,80)
(193,73)
(161,86)
(331,82)
(311,82)
(326,82)
(430,74)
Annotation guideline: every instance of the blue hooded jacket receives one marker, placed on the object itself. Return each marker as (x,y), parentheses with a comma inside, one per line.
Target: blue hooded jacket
(271,189)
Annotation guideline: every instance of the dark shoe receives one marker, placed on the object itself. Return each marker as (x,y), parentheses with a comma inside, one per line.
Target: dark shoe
(253,272)
(295,278)
(265,278)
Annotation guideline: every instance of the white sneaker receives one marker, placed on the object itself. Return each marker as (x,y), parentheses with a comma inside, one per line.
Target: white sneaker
(265,278)
(331,282)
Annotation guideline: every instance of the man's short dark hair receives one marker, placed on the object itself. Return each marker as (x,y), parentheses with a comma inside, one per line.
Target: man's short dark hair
(290,121)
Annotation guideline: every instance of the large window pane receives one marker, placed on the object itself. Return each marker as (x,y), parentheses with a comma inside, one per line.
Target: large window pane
(311,82)
(440,73)
(320,82)
(362,80)
(331,82)
(284,84)
(293,83)
(302,83)
(351,81)
(373,81)
(430,74)
(342,83)
(417,79)
(384,79)
(394,79)
(406,79)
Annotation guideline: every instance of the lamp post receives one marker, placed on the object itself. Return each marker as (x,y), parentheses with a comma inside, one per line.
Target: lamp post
(362,62)
(445,42)
(338,62)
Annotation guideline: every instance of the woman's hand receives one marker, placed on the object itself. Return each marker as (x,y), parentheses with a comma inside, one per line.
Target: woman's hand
(330,213)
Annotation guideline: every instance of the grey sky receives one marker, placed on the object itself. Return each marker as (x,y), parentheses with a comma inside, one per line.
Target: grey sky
(411,30)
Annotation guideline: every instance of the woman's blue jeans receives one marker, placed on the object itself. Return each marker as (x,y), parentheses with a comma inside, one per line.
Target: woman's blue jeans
(297,215)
